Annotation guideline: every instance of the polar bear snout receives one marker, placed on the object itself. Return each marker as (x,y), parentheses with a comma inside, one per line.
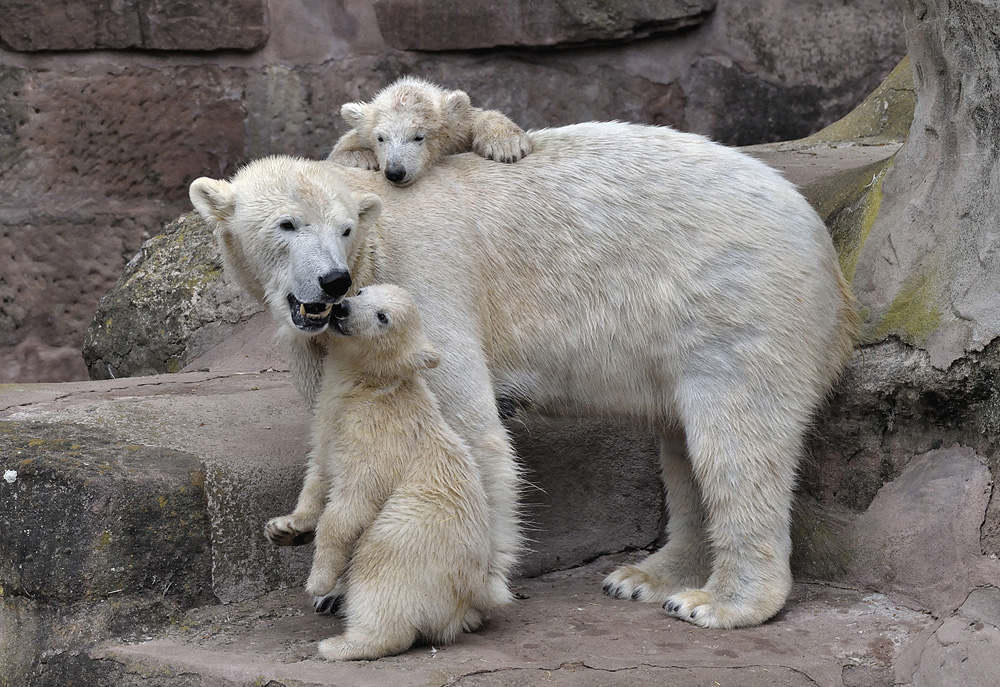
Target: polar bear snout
(396,174)
(335,283)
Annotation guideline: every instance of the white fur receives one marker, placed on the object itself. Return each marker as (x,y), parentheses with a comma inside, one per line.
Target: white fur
(619,270)
(412,123)
(403,534)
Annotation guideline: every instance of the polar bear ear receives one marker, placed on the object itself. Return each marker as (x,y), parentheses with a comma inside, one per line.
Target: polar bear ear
(354,114)
(369,207)
(456,104)
(428,358)
(213,199)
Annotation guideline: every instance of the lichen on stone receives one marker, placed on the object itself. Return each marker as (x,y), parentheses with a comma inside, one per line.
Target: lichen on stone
(914,313)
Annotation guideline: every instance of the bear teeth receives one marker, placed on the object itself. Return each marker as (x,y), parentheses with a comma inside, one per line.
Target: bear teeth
(322,315)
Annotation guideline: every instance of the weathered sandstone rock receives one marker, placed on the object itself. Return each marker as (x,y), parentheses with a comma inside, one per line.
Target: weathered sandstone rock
(459,25)
(128,24)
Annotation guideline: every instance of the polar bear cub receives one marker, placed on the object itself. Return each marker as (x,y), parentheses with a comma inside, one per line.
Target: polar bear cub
(405,527)
(412,123)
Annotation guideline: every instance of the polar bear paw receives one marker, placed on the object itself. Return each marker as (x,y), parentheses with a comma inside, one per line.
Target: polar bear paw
(708,608)
(509,148)
(704,609)
(328,604)
(360,158)
(288,530)
(632,582)
(339,649)
(473,620)
(359,646)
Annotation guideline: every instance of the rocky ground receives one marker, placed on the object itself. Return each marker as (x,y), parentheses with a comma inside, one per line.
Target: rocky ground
(561,631)
(216,461)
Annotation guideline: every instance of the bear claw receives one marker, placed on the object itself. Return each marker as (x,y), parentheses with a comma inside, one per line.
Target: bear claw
(327,605)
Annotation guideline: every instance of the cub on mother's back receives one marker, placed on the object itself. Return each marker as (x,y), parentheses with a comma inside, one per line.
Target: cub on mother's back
(412,123)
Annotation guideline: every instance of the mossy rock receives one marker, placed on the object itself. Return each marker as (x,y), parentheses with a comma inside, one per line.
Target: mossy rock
(170,305)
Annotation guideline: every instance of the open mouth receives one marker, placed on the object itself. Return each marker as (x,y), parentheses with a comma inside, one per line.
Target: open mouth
(311,317)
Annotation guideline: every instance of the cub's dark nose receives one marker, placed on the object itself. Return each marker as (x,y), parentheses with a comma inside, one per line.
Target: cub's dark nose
(395,174)
(335,283)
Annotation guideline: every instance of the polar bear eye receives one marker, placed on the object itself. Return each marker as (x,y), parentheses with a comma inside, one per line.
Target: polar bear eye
(380,139)
(383,319)
(418,138)
(347,231)
(287,225)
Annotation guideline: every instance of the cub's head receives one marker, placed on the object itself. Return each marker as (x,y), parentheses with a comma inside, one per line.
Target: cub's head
(409,124)
(383,333)
(290,232)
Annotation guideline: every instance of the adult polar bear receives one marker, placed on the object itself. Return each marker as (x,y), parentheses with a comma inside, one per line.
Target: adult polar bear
(619,270)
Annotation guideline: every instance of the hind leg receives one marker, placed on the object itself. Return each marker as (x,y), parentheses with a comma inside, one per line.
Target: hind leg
(685,559)
(744,446)
(361,645)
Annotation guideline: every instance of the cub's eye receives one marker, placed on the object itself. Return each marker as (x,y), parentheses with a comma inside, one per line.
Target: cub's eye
(380,139)
(287,225)
(418,138)
(382,318)
(347,232)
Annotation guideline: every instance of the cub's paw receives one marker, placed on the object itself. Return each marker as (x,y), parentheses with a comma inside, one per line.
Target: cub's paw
(339,649)
(321,581)
(362,646)
(360,158)
(329,604)
(508,148)
(632,582)
(473,620)
(288,531)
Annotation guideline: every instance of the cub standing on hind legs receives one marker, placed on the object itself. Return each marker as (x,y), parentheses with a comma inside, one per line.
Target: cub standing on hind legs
(405,526)
(412,123)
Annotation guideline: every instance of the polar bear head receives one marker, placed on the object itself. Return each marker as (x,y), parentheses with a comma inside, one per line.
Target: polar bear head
(409,125)
(288,231)
(383,333)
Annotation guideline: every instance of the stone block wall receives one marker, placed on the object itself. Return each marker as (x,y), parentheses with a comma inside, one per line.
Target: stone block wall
(110,109)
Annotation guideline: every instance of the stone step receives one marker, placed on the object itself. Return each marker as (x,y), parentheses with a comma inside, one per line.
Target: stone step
(562,631)
(128,502)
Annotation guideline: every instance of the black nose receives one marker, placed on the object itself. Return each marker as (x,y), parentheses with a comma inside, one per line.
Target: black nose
(395,174)
(335,283)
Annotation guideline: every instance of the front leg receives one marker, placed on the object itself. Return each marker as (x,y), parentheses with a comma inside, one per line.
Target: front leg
(299,526)
(352,151)
(496,137)
(686,559)
(347,514)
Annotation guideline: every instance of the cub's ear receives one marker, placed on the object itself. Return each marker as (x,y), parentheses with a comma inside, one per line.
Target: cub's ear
(369,207)
(214,199)
(428,358)
(354,114)
(456,104)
